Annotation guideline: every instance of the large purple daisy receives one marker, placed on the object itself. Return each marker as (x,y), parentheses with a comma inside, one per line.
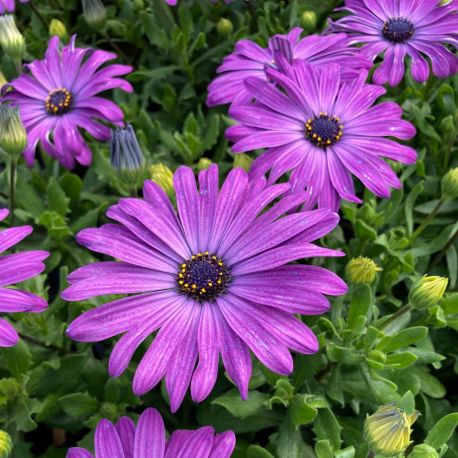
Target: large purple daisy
(400,28)
(58,95)
(8,6)
(15,268)
(214,277)
(147,440)
(323,130)
(250,59)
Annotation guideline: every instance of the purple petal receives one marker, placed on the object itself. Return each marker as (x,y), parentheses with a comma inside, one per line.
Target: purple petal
(107,442)
(150,435)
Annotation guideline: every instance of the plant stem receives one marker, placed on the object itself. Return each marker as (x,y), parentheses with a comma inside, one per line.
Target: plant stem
(406,308)
(13,165)
(427,220)
(443,251)
(40,343)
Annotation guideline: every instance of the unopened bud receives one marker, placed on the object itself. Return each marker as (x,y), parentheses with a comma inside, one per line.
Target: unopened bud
(13,137)
(449,184)
(57,27)
(308,20)
(95,13)
(427,291)
(6,444)
(243,160)
(362,270)
(423,451)
(3,80)
(224,27)
(162,176)
(11,40)
(204,163)
(139,5)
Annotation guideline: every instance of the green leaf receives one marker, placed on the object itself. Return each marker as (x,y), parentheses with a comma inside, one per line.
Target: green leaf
(79,405)
(301,412)
(402,338)
(289,441)
(57,200)
(361,301)
(327,427)
(442,431)
(400,360)
(407,403)
(255,451)
(410,202)
(232,401)
(323,449)
(17,358)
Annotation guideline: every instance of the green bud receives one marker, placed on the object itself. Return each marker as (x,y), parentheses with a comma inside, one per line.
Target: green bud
(11,40)
(427,291)
(57,27)
(449,184)
(204,163)
(139,5)
(163,176)
(95,13)
(6,444)
(13,137)
(362,270)
(388,430)
(242,160)
(377,355)
(109,410)
(423,451)
(308,20)
(448,124)
(224,27)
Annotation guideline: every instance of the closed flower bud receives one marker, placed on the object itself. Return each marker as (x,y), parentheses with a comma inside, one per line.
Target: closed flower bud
(423,451)
(139,5)
(427,291)
(57,27)
(163,176)
(362,270)
(308,20)
(126,153)
(449,184)
(388,430)
(6,444)
(95,13)
(448,124)
(224,27)
(3,80)
(11,40)
(204,163)
(13,137)
(242,160)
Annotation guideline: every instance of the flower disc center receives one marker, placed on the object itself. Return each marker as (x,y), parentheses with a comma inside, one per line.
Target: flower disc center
(323,130)
(397,30)
(204,277)
(59,101)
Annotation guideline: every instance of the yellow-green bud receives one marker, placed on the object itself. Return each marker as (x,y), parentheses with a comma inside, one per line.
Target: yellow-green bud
(362,270)
(95,13)
(448,124)
(204,163)
(6,444)
(3,80)
(242,160)
(449,184)
(138,5)
(58,28)
(11,40)
(308,20)
(13,137)
(388,430)
(377,355)
(423,451)
(163,176)
(427,291)
(224,27)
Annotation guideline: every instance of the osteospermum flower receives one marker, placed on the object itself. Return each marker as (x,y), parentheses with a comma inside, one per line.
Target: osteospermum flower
(8,6)
(15,268)
(58,96)
(147,439)
(213,278)
(403,28)
(250,60)
(324,131)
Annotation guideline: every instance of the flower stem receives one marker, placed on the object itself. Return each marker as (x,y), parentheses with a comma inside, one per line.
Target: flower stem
(406,308)
(13,166)
(427,220)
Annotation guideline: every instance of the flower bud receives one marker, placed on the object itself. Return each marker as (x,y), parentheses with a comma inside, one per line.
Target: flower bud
(448,124)
(423,451)
(308,20)
(95,13)
(449,184)
(362,270)
(163,176)
(242,160)
(6,444)
(204,163)
(388,430)
(427,291)
(139,5)
(224,27)
(13,137)
(57,27)
(11,40)
(126,153)
(3,80)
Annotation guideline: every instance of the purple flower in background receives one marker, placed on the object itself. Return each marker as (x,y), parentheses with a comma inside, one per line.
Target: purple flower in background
(400,28)
(324,131)
(58,96)
(147,439)
(250,59)
(8,6)
(213,278)
(15,268)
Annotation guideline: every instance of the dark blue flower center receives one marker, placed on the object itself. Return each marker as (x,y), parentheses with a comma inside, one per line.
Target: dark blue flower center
(59,101)
(398,30)
(204,277)
(323,130)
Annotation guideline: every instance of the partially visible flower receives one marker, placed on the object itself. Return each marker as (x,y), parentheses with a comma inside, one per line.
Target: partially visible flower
(449,184)
(388,430)
(401,28)
(427,291)
(58,28)
(58,96)
(163,176)
(148,439)
(8,6)
(15,268)
(95,13)
(362,270)
(11,40)
(423,451)
(323,130)
(215,277)
(250,60)
(13,137)
(6,444)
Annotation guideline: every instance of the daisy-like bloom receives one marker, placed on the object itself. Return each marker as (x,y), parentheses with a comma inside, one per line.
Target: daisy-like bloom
(15,268)
(250,60)
(212,278)
(147,440)
(8,6)
(58,96)
(400,28)
(324,131)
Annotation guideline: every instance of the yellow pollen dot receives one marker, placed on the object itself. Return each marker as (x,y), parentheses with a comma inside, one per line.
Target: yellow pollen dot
(194,286)
(210,284)
(181,282)
(203,290)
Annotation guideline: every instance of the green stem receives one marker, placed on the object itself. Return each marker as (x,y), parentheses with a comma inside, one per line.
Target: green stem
(39,16)
(440,255)
(13,166)
(406,308)
(427,220)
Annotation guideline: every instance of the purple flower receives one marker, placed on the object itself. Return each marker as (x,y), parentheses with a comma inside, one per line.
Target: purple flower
(7,6)
(324,131)
(15,268)
(250,59)
(213,278)
(124,440)
(59,96)
(400,28)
